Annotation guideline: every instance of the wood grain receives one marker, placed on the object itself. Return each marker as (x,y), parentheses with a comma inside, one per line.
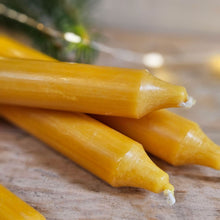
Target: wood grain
(61,190)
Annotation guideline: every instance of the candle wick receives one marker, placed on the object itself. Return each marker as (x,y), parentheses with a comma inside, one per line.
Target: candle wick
(189,103)
(170,197)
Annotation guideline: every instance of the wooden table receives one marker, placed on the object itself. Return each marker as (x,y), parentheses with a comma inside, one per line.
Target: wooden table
(61,190)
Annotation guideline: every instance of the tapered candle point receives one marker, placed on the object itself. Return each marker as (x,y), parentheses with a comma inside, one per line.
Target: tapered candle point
(157,94)
(209,155)
(198,149)
(137,169)
(214,158)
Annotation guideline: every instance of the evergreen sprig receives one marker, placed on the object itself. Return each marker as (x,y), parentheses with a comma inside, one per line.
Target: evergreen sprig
(62,15)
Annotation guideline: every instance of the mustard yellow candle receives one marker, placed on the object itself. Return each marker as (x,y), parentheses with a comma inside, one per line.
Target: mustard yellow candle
(13,208)
(108,154)
(170,137)
(86,88)
(70,133)
(11,48)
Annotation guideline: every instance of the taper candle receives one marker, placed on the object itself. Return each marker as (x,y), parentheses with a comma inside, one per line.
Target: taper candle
(39,123)
(13,208)
(86,88)
(170,137)
(108,154)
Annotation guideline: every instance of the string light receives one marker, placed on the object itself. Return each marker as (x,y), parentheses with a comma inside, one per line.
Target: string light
(151,60)
(71,37)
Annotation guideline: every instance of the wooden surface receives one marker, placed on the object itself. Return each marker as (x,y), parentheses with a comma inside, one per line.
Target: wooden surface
(61,190)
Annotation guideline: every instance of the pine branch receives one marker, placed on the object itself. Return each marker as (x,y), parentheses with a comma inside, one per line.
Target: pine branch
(62,15)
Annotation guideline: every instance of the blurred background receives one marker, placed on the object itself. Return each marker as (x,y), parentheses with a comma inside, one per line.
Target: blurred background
(144,26)
(170,16)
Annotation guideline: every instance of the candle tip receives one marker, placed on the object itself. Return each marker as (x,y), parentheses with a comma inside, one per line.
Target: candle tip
(189,103)
(170,197)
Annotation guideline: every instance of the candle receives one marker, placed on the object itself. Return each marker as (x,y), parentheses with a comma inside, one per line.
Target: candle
(108,154)
(11,48)
(170,137)
(86,88)
(43,122)
(13,208)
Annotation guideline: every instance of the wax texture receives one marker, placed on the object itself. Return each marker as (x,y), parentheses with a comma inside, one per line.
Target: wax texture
(170,137)
(13,208)
(134,168)
(108,154)
(85,88)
